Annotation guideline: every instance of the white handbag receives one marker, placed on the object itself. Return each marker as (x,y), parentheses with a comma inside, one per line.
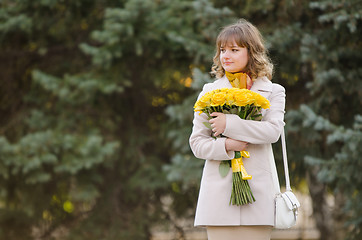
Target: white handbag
(286,204)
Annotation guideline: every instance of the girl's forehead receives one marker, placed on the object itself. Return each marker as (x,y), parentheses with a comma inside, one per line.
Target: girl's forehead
(229,41)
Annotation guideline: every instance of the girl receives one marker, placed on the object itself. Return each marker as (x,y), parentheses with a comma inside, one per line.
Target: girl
(239,49)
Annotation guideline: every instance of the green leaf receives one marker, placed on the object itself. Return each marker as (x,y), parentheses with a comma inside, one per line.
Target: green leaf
(224,168)
(237,155)
(207,124)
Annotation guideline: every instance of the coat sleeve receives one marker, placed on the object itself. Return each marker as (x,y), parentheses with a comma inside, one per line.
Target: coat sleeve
(202,144)
(260,132)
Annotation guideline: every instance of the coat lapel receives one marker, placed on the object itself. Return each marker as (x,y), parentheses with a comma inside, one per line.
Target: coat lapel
(263,86)
(223,83)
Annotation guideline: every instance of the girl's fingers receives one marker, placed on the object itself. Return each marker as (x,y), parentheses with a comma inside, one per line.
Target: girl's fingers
(215,114)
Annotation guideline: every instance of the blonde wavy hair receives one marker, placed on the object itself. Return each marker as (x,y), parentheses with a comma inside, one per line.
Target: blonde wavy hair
(245,35)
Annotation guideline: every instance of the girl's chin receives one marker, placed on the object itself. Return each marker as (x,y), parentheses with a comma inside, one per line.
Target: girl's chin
(232,70)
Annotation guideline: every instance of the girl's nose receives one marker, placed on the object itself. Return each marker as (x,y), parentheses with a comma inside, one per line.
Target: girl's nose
(225,55)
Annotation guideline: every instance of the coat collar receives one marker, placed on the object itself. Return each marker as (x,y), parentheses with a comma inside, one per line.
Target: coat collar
(262,84)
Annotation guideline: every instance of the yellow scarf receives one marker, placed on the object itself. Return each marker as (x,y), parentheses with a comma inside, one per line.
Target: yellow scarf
(237,80)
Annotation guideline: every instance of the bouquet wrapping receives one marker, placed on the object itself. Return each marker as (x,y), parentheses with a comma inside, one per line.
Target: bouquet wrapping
(247,105)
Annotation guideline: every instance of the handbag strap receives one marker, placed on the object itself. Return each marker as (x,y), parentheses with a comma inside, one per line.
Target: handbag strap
(285,160)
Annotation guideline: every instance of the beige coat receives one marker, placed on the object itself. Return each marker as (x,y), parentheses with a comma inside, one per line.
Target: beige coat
(213,207)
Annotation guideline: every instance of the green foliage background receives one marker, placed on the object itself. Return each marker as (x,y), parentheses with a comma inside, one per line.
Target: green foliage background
(96,107)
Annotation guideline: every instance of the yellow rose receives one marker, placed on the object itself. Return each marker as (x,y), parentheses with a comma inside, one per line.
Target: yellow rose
(198,107)
(230,99)
(243,97)
(266,105)
(218,99)
(249,95)
(257,100)
(200,104)
(205,100)
(261,101)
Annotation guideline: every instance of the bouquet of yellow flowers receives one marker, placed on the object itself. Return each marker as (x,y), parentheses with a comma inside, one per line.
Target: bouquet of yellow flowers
(247,105)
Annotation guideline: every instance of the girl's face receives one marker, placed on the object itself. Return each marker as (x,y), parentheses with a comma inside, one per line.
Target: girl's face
(233,58)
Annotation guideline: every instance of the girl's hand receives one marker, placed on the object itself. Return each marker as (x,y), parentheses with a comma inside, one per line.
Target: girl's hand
(218,123)
(235,145)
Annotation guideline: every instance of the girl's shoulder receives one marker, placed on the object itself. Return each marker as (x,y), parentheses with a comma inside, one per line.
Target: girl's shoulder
(265,84)
(217,84)
(278,88)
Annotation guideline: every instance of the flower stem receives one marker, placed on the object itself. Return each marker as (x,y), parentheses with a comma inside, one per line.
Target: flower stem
(241,193)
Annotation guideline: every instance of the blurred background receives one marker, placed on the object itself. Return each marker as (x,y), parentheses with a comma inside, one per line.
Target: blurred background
(96,107)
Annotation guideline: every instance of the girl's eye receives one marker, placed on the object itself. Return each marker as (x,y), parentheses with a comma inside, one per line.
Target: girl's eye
(235,50)
(222,50)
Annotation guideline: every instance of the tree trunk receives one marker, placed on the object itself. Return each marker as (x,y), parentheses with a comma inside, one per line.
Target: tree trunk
(339,216)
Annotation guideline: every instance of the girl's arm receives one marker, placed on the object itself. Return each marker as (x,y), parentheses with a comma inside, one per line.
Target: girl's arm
(260,132)
(202,144)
